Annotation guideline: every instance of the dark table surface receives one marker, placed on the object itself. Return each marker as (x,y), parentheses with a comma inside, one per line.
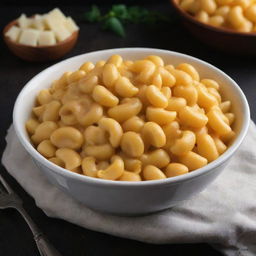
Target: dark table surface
(15,237)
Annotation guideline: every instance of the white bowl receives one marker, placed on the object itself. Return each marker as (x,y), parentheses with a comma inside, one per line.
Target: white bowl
(120,197)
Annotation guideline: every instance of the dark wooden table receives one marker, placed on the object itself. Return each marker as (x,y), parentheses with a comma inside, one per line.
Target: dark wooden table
(71,240)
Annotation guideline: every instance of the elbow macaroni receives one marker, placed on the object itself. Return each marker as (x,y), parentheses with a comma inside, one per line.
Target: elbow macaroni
(239,15)
(133,121)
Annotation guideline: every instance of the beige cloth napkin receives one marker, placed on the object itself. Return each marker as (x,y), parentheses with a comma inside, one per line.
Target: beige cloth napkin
(223,215)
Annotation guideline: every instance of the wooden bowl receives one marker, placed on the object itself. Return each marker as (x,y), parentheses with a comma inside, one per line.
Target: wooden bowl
(224,39)
(39,53)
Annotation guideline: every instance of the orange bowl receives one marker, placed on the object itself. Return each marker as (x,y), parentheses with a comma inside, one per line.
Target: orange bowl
(39,53)
(224,39)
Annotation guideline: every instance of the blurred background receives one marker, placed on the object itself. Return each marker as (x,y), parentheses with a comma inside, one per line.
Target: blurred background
(79,2)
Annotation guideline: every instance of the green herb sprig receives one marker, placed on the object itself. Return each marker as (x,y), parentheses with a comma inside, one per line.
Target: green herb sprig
(119,15)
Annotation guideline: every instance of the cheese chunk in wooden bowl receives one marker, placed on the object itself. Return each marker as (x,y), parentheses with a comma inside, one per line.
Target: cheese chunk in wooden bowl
(41,37)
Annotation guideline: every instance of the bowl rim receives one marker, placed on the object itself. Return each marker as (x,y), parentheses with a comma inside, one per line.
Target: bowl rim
(73,36)
(101,182)
(207,26)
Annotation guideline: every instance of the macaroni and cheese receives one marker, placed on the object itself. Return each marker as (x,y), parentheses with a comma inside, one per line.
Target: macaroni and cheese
(131,120)
(239,15)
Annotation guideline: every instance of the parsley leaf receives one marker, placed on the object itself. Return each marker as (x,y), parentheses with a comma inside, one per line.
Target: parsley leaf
(137,14)
(114,24)
(120,14)
(120,11)
(93,15)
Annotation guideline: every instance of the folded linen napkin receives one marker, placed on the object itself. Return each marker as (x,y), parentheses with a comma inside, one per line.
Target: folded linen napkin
(223,215)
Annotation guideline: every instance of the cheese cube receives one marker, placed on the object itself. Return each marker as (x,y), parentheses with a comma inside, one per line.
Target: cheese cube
(29,37)
(71,25)
(51,22)
(38,22)
(61,32)
(13,33)
(54,18)
(23,21)
(57,14)
(44,20)
(56,24)
(46,38)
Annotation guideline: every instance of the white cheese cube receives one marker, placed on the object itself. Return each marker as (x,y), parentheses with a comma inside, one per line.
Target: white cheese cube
(13,33)
(38,22)
(71,25)
(23,21)
(57,14)
(51,22)
(44,20)
(29,37)
(61,32)
(54,18)
(46,38)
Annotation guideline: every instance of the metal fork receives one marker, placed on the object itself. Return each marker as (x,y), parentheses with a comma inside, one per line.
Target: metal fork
(9,199)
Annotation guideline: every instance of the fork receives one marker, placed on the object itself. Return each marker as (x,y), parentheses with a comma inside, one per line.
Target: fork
(9,199)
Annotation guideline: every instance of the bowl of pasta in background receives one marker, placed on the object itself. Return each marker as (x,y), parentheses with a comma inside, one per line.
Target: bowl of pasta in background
(117,197)
(224,39)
